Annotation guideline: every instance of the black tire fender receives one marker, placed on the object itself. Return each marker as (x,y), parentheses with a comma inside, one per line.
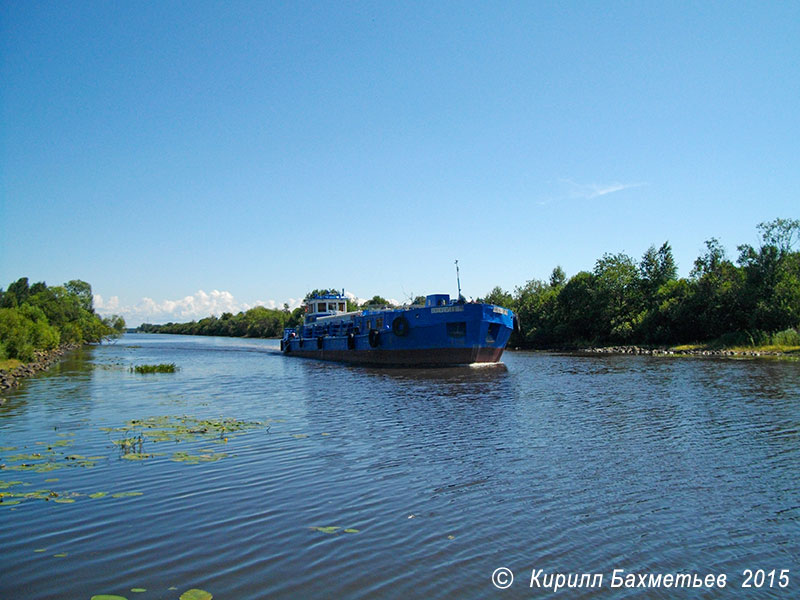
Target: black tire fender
(374,338)
(400,326)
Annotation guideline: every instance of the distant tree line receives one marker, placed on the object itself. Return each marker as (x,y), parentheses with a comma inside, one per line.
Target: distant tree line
(754,301)
(259,322)
(621,301)
(38,317)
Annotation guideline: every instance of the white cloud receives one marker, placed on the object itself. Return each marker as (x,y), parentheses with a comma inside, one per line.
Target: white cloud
(199,305)
(189,308)
(108,306)
(590,191)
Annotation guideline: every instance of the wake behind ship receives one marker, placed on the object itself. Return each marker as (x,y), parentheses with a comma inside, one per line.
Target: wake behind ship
(443,332)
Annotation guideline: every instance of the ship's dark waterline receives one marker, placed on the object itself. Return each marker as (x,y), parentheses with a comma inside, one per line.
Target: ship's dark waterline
(440,476)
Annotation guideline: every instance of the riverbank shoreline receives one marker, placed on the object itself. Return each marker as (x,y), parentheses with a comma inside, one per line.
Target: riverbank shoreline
(700,351)
(43,360)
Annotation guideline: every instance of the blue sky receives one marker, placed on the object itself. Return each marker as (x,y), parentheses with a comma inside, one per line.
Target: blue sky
(192,157)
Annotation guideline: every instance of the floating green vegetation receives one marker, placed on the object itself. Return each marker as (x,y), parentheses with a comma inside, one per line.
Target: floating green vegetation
(177,429)
(126,494)
(137,456)
(333,530)
(108,597)
(56,444)
(60,555)
(162,368)
(11,498)
(195,594)
(194,459)
(43,467)
(138,590)
(48,456)
(326,529)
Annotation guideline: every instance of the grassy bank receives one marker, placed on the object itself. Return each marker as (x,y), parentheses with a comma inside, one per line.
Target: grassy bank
(9,364)
(783,342)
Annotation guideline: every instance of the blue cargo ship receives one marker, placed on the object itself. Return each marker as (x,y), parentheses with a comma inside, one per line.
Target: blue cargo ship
(443,332)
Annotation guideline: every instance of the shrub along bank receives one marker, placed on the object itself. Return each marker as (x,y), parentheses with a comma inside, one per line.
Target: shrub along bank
(39,323)
(623,302)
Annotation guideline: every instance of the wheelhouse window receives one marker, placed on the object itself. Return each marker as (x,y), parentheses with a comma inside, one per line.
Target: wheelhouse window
(491,334)
(457,329)
(379,323)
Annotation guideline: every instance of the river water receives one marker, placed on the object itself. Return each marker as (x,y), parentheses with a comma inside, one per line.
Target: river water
(349,482)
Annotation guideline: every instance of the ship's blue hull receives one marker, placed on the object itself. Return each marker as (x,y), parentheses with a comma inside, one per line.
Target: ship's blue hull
(452,334)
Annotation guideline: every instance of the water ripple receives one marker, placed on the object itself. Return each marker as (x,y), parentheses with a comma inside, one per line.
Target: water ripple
(570,464)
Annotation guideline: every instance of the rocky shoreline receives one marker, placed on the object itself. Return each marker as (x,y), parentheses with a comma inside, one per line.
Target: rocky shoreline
(43,359)
(672,352)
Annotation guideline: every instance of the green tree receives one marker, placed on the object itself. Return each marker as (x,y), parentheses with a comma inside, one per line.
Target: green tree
(499,297)
(536,305)
(716,300)
(783,234)
(656,268)
(558,277)
(376,301)
(617,278)
(83,292)
(579,312)
(770,277)
(17,293)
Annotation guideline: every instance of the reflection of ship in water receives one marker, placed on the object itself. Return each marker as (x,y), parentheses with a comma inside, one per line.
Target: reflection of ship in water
(442,332)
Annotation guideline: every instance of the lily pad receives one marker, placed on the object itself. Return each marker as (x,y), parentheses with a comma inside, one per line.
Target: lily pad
(60,555)
(195,594)
(108,597)
(126,494)
(351,530)
(96,495)
(194,459)
(326,529)
(36,468)
(136,456)
(64,500)
(138,590)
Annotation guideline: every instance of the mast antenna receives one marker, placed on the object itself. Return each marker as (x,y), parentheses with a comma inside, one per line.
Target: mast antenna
(458,279)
